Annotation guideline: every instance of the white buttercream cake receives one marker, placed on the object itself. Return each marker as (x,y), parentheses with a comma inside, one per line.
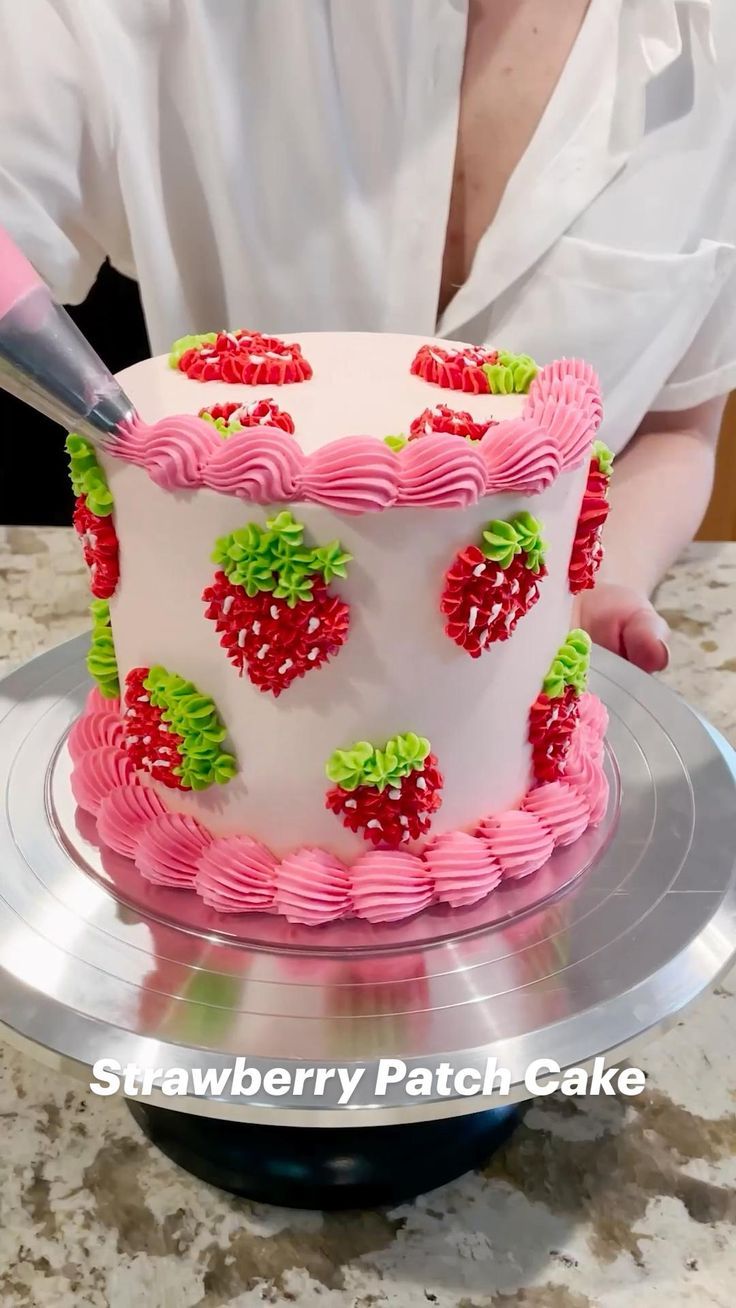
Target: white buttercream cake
(334,584)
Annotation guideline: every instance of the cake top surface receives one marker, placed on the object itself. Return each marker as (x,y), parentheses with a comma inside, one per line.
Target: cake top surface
(358,422)
(361,385)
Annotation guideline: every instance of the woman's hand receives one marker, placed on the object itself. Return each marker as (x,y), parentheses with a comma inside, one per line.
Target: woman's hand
(623,620)
(659,492)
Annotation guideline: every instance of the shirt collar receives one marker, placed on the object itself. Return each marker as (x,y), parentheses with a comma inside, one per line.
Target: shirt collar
(592,124)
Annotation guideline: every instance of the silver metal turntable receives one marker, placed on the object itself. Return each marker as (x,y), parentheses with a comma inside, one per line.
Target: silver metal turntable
(607,943)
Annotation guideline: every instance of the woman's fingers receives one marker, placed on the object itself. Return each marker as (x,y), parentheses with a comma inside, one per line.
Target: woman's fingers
(623,620)
(645,639)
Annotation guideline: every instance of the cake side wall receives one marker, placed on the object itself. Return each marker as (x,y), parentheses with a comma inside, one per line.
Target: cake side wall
(397,672)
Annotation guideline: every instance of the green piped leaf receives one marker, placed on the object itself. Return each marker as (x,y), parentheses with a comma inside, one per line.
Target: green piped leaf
(244,558)
(500,379)
(254,575)
(252,539)
(511,374)
(529,534)
(225,768)
(284,555)
(411,751)
(396,443)
(570,665)
(98,494)
(193,717)
(331,560)
(501,542)
(603,457)
(346,767)
(381,769)
(82,459)
(367,765)
(286,530)
(101,661)
(275,559)
(87,477)
(185,343)
(226,428)
(504,539)
(293,585)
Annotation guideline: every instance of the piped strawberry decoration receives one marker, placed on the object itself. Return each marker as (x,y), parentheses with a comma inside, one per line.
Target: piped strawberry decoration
(490,587)
(554,714)
(386,795)
(92,517)
(240,356)
(587,549)
(474,369)
(232,416)
(173,732)
(99,547)
(271,603)
(452,422)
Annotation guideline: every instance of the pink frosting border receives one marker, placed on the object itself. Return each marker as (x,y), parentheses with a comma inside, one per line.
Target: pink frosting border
(360,474)
(236,874)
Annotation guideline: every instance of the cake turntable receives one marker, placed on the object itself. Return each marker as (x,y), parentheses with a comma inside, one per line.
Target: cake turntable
(607,943)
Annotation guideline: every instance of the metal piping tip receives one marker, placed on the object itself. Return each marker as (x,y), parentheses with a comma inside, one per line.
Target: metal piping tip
(100,424)
(46,362)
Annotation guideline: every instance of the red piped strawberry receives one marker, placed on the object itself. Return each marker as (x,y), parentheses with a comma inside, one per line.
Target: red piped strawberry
(475,369)
(271,604)
(552,723)
(554,714)
(454,422)
(151,744)
(233,416)
(246,357)
(398,809)
(273,643)
(587,549)
(100,548)
(483,602)
(457,369)
(489,589)
(173,731)
(93,516)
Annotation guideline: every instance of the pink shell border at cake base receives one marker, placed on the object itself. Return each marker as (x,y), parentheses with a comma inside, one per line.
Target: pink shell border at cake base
(237,874)
(361,474)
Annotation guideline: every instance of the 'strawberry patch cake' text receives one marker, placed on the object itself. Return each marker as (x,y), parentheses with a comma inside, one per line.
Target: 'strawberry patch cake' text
(332,590)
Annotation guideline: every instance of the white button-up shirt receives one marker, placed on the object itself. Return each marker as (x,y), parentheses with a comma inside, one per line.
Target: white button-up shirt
(287,165)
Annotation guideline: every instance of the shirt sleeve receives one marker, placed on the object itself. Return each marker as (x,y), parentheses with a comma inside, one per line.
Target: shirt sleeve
(708,368)
(54,147)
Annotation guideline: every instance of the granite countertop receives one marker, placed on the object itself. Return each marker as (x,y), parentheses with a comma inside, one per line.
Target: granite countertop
(591,1202)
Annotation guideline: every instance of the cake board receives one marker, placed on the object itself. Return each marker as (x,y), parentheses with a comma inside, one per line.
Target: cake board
(606,944)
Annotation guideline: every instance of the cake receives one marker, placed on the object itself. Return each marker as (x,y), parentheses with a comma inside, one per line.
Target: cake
(332,583)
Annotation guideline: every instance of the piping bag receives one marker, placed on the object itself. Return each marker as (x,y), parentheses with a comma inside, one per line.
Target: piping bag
(47,362)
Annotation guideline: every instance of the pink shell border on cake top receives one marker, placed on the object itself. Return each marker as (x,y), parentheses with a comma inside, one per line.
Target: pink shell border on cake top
(237,874)
(361,474)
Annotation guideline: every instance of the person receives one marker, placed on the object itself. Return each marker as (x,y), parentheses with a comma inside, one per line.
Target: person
(550,176)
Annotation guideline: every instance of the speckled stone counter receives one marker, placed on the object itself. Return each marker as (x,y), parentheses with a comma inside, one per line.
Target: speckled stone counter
(592,1202)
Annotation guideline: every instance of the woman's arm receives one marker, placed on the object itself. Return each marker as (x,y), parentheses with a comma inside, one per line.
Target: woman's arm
(59,195)
(659,493)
